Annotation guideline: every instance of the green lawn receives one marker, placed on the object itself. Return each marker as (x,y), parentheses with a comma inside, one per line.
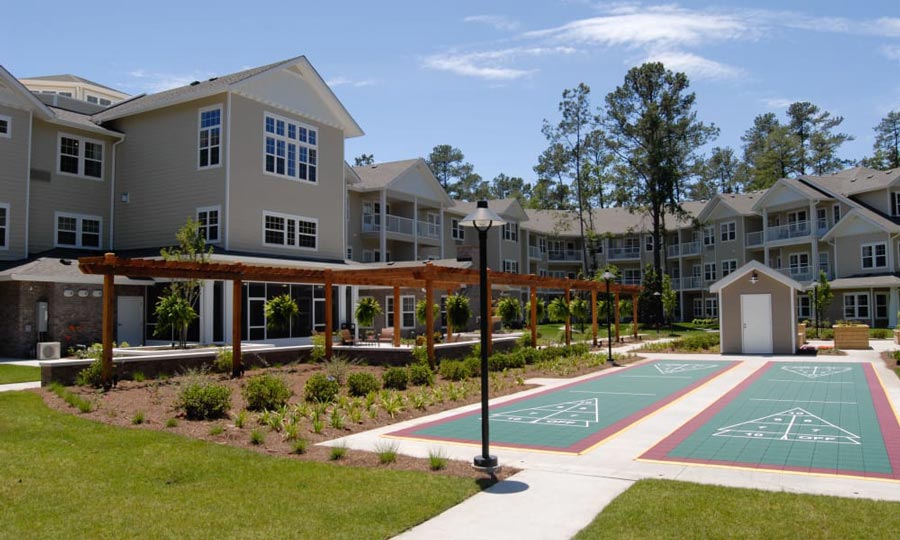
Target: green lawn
(663,509)
(66,477)
(15,374)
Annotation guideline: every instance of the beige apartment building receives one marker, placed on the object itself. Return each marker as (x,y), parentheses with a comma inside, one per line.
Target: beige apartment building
(258,158)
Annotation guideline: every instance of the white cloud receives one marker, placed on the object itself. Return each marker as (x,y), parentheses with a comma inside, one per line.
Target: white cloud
(777,103)
(891,52)
(147,81)
(696,66)
(491,65)
(345,81)
(499,22)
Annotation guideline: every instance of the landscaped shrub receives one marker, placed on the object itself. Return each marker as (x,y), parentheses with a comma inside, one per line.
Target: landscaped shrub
(223,362)
(361,384)
(473,365)
(454,370)
(204,400)
(91,375)
(266,392)
(699,342)
(395,378)
(501,361)
(321,388)
(879,333)
(421,375)
(338,367)
(705,323)
(824,333)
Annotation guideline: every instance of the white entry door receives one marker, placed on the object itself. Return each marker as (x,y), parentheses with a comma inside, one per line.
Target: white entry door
(130,319)
(756,323)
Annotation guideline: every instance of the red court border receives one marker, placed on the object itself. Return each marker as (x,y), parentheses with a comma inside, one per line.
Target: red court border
(583,444)
(887,420)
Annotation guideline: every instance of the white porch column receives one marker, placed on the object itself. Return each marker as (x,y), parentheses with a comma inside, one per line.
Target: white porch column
(814,245)
(354,299)
(228,307)
(527,250)
(415,228)
(443,232)
(382,245)
(342,304)
(207,301)
(765,238)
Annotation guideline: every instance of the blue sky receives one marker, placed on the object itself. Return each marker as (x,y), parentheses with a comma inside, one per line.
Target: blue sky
(483,75)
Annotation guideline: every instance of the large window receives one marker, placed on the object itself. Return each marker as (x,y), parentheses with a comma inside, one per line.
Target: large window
(208,218)
(511,232)
(210,137)
(407,311)
(856,306)
(698,307)
(76,230)
(798,263)
(511,266)
(79,156)
(728,266)
(712,308)
(709,271)
(291,149)
(874,255)
(4,226)
(290,231)
(709,235)
(804,307)
(728,231)
(648,242)
(5,127)
(457,231)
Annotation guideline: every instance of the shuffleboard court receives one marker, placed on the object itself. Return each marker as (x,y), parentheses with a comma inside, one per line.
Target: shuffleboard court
(576,417)
(815,418)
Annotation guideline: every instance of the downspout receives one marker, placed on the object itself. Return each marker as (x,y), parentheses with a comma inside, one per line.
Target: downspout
(28,181)
(112,195)
(228,172)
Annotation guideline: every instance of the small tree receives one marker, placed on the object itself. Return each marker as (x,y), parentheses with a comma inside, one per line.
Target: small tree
(279,312)
(669,298)
(579,309)
(821,296)
(541,310)
(558,309)
(509,309)
(458,312)
(366,310)
(178,308)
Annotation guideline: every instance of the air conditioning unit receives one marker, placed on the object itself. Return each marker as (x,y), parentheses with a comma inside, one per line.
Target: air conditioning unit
(48,350)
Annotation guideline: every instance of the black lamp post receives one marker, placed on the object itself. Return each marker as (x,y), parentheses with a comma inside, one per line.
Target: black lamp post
(657,296)
(482,219)
(816,306)
(608,277)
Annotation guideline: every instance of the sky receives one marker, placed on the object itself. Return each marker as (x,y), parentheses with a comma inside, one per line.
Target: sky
(484,75)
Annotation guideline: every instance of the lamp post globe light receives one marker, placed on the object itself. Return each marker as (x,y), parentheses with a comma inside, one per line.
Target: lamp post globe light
(608,277)
(483,218)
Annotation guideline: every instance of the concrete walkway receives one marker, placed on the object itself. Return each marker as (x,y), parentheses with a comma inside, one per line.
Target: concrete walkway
(19,386)
(557,495)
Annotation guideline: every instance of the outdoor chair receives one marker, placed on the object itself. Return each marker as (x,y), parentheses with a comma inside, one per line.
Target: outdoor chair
(387,334)
(346,337)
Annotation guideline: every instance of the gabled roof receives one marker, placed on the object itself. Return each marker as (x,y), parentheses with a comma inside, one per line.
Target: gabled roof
(615,220)
(22,94)
(794,185)
(870,218)
(856,180)
(81,121)
(508,208)
(551,222)
(350,175)
(298,66)
(738,203)
(68,77)
(411,177)
(741,273)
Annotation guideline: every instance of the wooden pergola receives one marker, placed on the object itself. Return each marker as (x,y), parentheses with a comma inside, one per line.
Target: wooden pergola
(426,276)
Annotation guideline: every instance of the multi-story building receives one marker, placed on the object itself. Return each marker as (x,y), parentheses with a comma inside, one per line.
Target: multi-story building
(257,158)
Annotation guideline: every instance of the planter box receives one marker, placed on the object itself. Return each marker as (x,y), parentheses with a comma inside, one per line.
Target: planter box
(851,337)
(801,335)
(897,337)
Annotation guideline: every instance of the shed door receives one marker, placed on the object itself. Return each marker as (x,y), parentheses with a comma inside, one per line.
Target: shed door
(756,323)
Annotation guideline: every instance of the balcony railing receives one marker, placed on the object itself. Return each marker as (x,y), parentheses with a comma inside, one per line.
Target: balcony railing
(797,229)
(400,225)
(564,255)
(754,239)
(534,252)
(799,273)
(623,253)
(686,283)
(684,249)
(631,280)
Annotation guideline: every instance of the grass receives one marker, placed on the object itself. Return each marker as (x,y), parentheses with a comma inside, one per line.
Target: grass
(10,374)
(180,486)
(663,509)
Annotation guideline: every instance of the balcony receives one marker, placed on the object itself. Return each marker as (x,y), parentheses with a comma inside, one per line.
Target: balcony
(754,239)
(371,223)
(630,280)
(799,273)
(623,253)
(684,249)
(572,255)
(534,252)
(687,283)
(799,229)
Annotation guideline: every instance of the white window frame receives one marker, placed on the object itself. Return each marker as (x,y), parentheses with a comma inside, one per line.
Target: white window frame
(804,307)
(8,133)
(288,217)
(209,147)
(457,231)
(874,256)
(79,230)
(728,231)
(404,312)
(709,235)
(208,210)
(388,311)
(349,253)
(648,242)
(709,269)
(855,306)
(511,266)
(795,260)
(4,226)
(835,214)
(82,141)
(699,310)
(895,203)
(629,275)
(312,148)
(711,307)
(511,232)
(728,266)
(883,306)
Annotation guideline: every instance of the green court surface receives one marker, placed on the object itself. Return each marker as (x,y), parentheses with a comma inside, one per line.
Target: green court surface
(577,417)
(818,418)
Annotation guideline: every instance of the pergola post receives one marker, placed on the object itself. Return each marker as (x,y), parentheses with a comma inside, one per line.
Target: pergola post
(329,301)
(618,336)
(429,321)
(490,318)
(594,315)
(397,317)
(108,298)
(533,301)
(237,304)
(634,317)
